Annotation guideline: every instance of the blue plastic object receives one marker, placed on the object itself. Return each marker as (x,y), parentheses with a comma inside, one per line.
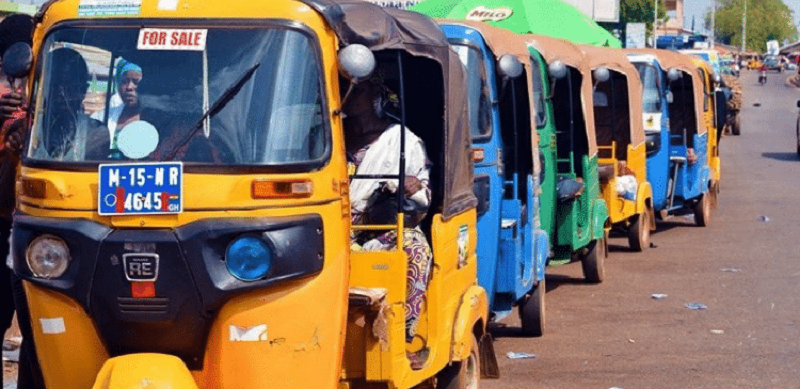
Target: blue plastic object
(248,258)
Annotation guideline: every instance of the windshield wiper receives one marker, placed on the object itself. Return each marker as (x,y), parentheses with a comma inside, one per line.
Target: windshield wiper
(218,105)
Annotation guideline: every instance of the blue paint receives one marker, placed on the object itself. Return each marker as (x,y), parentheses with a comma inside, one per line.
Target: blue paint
(512,247)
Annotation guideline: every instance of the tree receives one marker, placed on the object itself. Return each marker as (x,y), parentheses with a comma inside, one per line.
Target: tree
(638,11)
(766,20)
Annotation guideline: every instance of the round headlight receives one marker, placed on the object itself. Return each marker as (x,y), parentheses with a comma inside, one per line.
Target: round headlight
(248,258)
(48,256)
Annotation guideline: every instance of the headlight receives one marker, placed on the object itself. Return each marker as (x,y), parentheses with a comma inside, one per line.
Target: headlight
(248,258)
(48,256)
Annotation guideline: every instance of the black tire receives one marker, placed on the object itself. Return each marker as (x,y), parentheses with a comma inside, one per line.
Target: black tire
(639,231)
(531,311)
(593,262)
(702,210)
(464,374)
(713,193)
(736,128)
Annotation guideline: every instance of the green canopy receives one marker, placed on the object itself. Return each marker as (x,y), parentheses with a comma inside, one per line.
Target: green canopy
(553,18)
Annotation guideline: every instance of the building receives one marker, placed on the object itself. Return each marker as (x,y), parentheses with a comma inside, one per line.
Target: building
(674,24)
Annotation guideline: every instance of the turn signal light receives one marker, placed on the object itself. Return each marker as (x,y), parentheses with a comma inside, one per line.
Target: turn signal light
(268,189)
(34,188)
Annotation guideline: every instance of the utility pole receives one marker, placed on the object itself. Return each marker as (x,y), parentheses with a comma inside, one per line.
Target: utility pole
(655,24)
(713,24)
(744,25)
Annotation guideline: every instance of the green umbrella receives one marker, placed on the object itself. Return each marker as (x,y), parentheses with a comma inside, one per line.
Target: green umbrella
(553,18)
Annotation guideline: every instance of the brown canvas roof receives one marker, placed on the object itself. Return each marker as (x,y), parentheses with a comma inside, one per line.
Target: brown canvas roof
(502,42)
(615,59)
(379,28)
(683,62)
(553,49)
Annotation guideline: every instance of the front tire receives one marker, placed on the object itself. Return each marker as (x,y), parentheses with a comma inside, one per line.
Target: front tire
(736,128)
(531,311)
(702,210)
(464,374)
(593,262)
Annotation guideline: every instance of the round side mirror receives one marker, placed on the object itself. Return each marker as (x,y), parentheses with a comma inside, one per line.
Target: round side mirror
(557,69)
(673,74)
(17,60)
(356,62)
(510,66)
(137,139)
(601,74)
(717,79)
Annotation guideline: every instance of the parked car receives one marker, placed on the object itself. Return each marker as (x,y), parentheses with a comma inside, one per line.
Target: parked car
(773,62)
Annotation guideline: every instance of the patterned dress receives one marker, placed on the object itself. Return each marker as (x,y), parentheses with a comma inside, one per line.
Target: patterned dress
(415,243)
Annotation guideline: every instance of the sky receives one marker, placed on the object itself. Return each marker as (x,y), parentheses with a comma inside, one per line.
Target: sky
(699,8)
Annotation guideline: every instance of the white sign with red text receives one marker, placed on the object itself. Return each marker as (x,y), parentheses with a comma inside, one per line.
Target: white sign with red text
(172,39)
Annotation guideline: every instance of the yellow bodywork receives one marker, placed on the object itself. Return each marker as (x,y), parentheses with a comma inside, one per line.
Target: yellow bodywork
(307,320)
(709,115)
(621,210)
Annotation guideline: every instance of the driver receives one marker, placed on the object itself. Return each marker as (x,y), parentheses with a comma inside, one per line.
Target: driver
(124,105)
(69,134)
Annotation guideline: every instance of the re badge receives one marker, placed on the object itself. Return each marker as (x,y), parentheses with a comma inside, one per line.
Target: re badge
(140,267)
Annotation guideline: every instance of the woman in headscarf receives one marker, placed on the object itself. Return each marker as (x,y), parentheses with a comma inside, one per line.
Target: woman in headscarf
(372,138)
(124,105)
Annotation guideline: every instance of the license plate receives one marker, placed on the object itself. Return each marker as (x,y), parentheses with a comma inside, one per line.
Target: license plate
(140,267)
(140,188)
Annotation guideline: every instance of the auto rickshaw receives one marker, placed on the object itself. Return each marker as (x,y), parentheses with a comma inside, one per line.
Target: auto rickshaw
(621,145)
(715,113)
(513,248)
(677,144)
(573,212)
(208,243)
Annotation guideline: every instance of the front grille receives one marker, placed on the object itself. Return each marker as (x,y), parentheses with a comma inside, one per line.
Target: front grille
(143,305)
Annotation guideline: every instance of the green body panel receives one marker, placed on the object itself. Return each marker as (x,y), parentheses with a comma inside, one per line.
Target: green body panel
(572,225)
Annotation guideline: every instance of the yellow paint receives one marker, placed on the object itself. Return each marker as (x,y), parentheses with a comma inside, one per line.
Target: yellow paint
(621,210)
(144,371)
(708,118)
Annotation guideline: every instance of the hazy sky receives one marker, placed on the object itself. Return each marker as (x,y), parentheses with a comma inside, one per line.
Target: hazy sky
(700,7)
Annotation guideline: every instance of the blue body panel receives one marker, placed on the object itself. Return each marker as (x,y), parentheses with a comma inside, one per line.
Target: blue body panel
(512,252)
(692,180)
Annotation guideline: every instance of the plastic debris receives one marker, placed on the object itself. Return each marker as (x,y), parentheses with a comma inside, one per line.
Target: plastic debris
(513,355)
(653,245)
(658,296)
(756,104)
(763,218)
(696,306)
(631,341)
(718,332)
(731,270)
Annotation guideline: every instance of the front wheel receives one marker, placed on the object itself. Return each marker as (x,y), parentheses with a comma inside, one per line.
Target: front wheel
(531,311)
(702,210)
(736,128)
(464,374)
(639,231)
(593,262)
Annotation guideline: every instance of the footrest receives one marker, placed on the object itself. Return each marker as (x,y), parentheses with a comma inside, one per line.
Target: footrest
(677,159)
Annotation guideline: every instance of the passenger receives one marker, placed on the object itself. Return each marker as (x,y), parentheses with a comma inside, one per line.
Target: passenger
(124,105)
(373,146)
(69,134)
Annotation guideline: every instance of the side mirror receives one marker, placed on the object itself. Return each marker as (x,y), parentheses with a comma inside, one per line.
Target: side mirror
(557,70)
(601,74)
(670,97)
(509,66)
(356,62)
(717,79)
(17,60)
(673,74)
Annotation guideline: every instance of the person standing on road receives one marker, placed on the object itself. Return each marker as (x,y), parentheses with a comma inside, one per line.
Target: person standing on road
(13,29)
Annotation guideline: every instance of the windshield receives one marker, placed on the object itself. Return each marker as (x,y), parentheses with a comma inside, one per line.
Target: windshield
(221,96)
(651,88)
(480,119)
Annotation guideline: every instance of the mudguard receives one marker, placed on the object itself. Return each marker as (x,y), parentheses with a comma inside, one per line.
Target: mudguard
(144,371)
(599,218)
(644,193)
(474,308)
